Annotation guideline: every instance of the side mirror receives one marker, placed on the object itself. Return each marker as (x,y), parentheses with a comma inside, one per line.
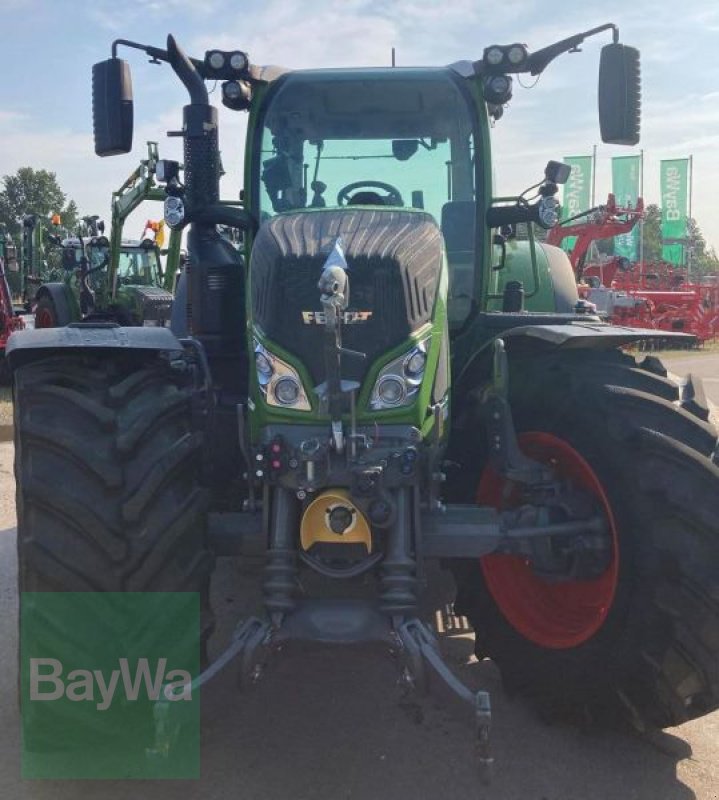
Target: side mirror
(620,94)
(112,115)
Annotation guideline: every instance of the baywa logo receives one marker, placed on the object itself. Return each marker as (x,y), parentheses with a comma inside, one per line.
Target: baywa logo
(47,683)
(106,684)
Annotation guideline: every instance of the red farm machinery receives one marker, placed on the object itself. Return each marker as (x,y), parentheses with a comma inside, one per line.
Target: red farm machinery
(655,294)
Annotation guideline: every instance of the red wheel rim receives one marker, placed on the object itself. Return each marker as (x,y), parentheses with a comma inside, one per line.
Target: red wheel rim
(44,318)
(553,615)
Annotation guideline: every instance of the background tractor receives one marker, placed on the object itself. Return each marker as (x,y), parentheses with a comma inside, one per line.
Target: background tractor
(114,279)
(9,320)
(40,257)
(384,376)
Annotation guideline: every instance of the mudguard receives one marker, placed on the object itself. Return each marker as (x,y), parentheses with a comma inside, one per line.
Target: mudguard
(63,300)
(549,332)
(585,335)
(25,345)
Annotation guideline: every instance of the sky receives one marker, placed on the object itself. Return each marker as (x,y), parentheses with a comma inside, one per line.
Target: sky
(49,47)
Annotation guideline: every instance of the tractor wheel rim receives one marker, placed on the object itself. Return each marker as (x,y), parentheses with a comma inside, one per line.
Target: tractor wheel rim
(43,319)
(557,615)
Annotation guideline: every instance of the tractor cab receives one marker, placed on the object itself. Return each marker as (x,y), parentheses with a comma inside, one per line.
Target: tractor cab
(381,139)
(139,264)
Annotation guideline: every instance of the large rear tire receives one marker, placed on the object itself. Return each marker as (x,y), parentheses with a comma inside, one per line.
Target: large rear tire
(108,498)
(642,640)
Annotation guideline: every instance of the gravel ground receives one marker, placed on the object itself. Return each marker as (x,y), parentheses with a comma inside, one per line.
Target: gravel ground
(5,406)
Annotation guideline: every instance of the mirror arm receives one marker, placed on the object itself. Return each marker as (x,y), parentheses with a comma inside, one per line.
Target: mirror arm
(156,54)
(538,61)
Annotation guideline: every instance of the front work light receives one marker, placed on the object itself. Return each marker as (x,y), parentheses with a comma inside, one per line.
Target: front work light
(216,59)
(548,212)
(238,61)
(223,65)
(236,95)
(497,89)
(174,211)
(516,54)
(493,56)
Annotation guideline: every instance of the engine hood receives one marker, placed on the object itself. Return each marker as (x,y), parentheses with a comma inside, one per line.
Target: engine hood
(394,260)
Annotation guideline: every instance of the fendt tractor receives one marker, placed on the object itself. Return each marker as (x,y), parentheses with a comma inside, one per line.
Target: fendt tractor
(383,377)
(113,279)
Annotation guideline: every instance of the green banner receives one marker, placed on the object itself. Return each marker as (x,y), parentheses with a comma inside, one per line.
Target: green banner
(577,191)
(626,172)
(674,180)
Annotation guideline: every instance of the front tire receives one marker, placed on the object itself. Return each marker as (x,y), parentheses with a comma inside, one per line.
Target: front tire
(108,501)
(641,641)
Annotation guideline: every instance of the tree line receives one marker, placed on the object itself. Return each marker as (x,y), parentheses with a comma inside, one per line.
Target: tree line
(34,191)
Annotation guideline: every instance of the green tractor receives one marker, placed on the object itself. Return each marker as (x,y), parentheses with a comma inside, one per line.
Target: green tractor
(383,377)
(40,255)
(115,279)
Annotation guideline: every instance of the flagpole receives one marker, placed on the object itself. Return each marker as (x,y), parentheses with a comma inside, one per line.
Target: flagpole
(594,173)
(641,221)
(690,239)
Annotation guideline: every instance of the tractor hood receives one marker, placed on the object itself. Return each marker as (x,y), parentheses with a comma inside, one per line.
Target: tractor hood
(394,260)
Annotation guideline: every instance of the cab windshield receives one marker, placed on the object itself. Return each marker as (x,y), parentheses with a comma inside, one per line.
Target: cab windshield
(399,138)
(138,266)
(402,138)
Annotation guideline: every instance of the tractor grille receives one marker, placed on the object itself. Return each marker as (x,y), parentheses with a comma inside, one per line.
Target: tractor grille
(394,260)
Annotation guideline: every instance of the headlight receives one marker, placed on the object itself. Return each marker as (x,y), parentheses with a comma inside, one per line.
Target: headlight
(415,363)
(287,390)
(391,390)
(264,368)
(279,382)
(399,381)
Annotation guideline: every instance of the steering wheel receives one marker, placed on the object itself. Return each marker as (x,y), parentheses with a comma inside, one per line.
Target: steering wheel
(394,197)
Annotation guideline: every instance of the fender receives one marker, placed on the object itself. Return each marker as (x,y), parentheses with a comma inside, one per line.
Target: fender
(24,346)
(582,334)
(63,300)
(560,332)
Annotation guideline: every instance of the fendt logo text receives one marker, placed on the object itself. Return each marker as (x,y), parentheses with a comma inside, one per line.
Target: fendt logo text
(48,682)
(348,317)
